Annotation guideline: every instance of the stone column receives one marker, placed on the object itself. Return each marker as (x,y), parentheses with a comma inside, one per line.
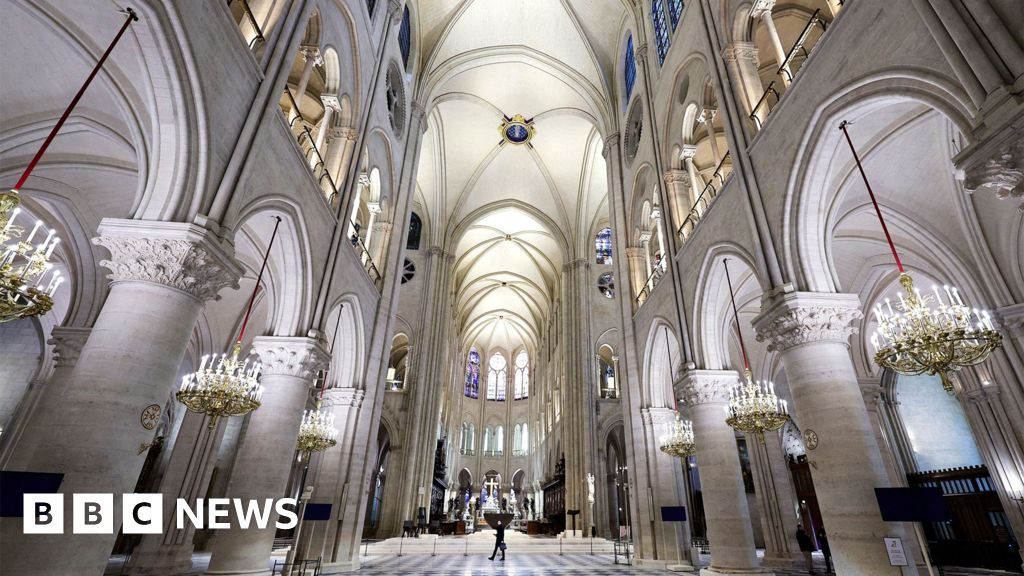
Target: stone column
(326,477)
(741,63)
(762,10)
(730,533)
(161,274)
(311,58)
(696,182)
(707,116)
(267,449)
(635,257)
(775,496)
(672,539)
(677,184)
(810,332)
(67,345)
(331,103)
(187,477)
(339,156)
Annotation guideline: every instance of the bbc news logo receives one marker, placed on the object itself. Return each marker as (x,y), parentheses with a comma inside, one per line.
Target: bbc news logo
(143,513)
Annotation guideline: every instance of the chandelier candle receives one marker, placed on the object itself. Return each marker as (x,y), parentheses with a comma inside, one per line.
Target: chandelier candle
(753,406)
(923,334)
(679,441)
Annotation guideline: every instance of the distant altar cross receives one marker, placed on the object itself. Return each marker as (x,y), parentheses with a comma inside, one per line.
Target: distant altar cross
(492,485)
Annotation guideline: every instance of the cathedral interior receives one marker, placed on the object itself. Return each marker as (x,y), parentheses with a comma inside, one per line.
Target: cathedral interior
(398,261)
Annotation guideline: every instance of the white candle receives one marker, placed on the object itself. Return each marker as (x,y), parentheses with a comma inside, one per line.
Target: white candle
(14,214)
(52,246)
(34,230)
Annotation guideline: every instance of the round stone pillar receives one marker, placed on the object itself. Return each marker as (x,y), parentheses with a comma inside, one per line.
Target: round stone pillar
(267,449)
(730,534)
(667,485)
(810,332)
(91,428)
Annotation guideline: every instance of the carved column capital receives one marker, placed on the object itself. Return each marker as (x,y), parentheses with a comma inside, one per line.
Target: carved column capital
(797,318)
(185,257)
(311,53)
(395,11)
(299,356)
(707,115)
(676,177)
(67,343)
(983,394)
(871,390)
(696,387)
(343,397)
(761,7)
(657,417)
(1002,173)
(738,51)
(641,53)
(610,142)
(1010,320)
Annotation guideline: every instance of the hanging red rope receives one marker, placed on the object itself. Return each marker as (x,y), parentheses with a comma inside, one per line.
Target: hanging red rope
(871,193)
(736,315)
(132,17)
(256,288)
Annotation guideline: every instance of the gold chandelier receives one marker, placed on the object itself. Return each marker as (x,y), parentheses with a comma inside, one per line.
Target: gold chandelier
(26,282)
(317,432)
(678,442)
(916,338)
(225,387)
(753,406)
(228,386)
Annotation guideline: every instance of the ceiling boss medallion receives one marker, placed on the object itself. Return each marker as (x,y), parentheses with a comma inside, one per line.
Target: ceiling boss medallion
(517,130)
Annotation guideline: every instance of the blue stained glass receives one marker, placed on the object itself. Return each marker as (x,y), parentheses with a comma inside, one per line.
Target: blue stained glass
(370,5)
(630,71)
(405,37)
(473,374)
(603,246)
(660,29)
(516,133)
(675,12)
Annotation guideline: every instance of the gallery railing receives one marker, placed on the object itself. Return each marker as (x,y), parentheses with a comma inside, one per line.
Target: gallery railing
(704,200)
(789,68)
(364,257)
(304,138)
(258,39)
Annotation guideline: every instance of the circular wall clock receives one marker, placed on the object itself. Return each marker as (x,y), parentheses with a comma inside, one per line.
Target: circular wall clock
(150,416)
(810,439)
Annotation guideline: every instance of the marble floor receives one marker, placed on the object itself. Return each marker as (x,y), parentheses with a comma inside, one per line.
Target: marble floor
(514,565)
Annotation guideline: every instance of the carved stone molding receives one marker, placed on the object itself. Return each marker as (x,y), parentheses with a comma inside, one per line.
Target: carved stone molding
(182,256)
(343,133)
(67,344)
(395,11)
(797,318)
(343,397)
(610,142)
(1002,173)
(871,390)
(1010,320)
(676,177)
(761,7)
(983,395)
(696,387)
(641,53)
(290,356)
(740,51)
(657,417)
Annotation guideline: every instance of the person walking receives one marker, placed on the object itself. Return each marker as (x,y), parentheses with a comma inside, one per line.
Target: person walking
(806,546)
(825,551)
(499,542)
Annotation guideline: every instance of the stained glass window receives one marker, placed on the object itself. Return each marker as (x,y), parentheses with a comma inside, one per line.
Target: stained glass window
(675,12)
(370,5)
(496,377)
(630,70)
(473,374)
(603,246)
(660,29)
(405,37)
(522,388)
(415,231)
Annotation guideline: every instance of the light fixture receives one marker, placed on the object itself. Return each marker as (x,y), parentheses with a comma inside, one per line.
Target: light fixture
(678,442)
(317,432)
(225,385)
(925,334)
(753,406)
(26,282)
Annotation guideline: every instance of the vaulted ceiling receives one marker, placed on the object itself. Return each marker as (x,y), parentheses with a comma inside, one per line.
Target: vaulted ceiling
(514,213)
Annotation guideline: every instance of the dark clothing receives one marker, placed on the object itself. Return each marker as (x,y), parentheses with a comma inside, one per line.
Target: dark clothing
(804,540)
(499,539)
